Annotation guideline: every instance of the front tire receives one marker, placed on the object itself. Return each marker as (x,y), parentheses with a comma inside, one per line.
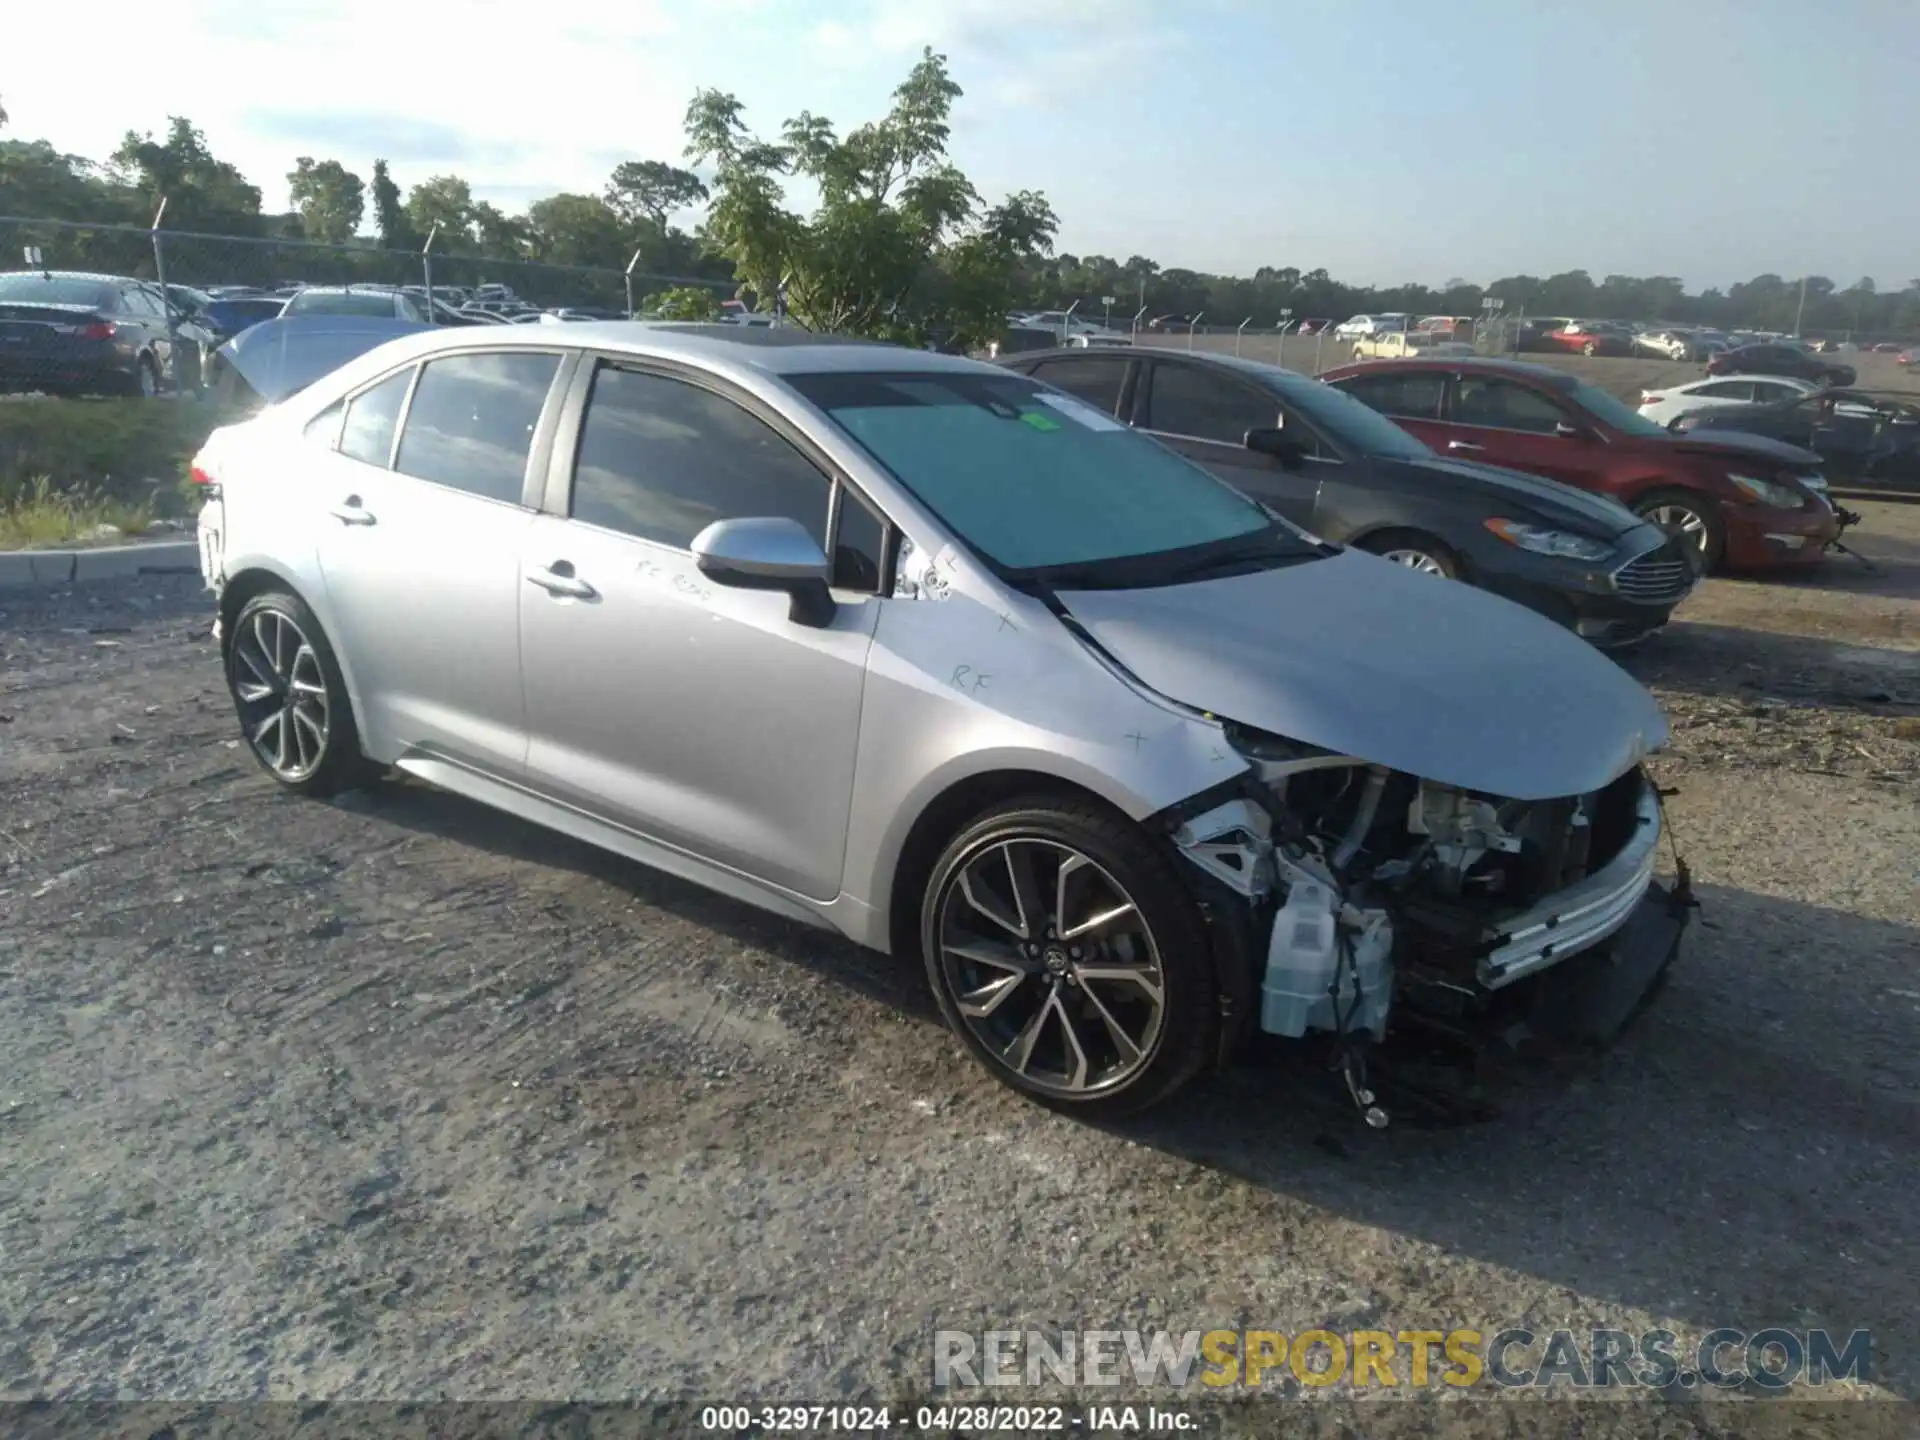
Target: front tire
(1691,516)
(1416,551)
(291,697)
(1069,958)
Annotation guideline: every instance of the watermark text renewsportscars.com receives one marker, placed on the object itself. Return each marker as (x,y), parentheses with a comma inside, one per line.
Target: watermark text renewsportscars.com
(1511,1358)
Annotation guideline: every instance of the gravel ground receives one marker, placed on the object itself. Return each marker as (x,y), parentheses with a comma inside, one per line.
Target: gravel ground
(397,1098)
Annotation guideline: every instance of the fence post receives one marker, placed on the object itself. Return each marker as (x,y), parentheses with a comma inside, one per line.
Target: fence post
(1239,332)
(628,278)
(1319,341)
(1193,325)
(1286,323)
(1134,329)
(426,272)
(1066,323)
(166,295)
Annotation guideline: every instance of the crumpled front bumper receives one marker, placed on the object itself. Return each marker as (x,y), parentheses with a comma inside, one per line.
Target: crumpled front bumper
(1582,915)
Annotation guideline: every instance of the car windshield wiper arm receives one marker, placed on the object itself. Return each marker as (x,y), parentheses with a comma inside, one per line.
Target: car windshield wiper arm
(1269,553)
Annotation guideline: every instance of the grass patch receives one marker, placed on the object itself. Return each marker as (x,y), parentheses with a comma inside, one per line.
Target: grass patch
(86,456)
(40,516)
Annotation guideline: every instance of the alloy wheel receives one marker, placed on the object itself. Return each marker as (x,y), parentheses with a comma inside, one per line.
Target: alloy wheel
(1689,525)
(283,695)
(1052,967)
(1416,560)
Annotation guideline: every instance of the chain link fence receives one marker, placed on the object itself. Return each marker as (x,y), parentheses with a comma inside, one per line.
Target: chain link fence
(102,309)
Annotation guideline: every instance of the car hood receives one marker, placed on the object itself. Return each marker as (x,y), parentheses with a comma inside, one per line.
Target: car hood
(1549,499)
(281,356)
(1363,657)
(1735,445)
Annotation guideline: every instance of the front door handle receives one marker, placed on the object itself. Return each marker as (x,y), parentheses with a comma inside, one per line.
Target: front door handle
(1463,445)
(559,579)
(352,512)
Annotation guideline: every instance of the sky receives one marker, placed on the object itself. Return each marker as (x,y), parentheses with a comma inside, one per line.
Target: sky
(1384,140)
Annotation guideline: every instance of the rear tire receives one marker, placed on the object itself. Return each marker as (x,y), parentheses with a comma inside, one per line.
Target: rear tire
(1088,983)
(291,698)
(1691,515)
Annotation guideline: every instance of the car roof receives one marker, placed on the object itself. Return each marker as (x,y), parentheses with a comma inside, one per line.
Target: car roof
(76,275)
(769,350)
(1473,365)
(1191,357)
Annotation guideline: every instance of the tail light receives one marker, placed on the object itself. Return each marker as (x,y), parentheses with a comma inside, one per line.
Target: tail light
(203,483)
(1650,397)
(98,330)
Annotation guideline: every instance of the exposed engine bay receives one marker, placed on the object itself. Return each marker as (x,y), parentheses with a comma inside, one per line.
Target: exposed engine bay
(1375,891)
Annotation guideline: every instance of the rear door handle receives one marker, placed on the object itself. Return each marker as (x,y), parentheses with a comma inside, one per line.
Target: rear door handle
(351,512)
(1463,445)
(559,579)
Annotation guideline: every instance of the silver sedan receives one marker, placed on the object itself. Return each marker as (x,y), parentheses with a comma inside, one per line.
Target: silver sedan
(952,663)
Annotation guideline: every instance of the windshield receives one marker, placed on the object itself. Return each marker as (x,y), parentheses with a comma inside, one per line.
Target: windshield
(1035,480)
(32,287)
(1615,414)
(1349,423)
(341,302)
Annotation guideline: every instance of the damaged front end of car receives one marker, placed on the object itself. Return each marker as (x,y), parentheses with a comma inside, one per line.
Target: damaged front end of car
(1354,905)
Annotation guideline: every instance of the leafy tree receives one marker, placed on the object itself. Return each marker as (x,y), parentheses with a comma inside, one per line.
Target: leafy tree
(653,190)
(501,236)
(389,214)
(446,201)
(202,192)
(683,302)
(899,247)
(329,197)
(577,230)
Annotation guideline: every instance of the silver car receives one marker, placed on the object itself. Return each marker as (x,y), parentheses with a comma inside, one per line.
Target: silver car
(927,653)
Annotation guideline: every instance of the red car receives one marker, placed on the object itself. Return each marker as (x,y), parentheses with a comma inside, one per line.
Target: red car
(1589,337)
(1745,501)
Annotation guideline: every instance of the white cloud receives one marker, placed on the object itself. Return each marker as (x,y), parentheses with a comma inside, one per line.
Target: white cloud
(531,100)
(510,98)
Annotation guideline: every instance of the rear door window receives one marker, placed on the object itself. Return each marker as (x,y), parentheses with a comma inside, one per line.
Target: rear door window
(470,426)
(367,435)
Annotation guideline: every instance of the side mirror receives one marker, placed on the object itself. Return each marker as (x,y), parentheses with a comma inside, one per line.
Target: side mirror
(768,553)
(1274,441)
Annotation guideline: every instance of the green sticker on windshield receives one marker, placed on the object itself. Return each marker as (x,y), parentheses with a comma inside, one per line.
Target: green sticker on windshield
(1039,421)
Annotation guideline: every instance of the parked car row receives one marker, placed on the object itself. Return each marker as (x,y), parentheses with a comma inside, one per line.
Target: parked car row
(1340,469)
(996,675)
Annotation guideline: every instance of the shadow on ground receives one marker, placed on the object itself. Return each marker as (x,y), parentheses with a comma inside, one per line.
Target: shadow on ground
(1651,1176)
(1728,661)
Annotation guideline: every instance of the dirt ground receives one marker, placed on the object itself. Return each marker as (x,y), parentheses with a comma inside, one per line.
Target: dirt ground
(1621,375)
(396,1097)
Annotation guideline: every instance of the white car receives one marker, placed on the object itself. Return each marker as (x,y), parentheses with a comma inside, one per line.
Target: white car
(1355,326)
(1073,330)
(1663,407)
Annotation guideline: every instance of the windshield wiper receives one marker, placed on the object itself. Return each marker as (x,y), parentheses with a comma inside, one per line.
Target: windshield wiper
(1267,555)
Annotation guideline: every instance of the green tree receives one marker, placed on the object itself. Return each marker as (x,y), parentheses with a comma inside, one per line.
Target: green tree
(500,235)
(329,197)
(898,248)
(389,214)
(577,230)
(653,190)
(201,191)
(446,201)
(682,302)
